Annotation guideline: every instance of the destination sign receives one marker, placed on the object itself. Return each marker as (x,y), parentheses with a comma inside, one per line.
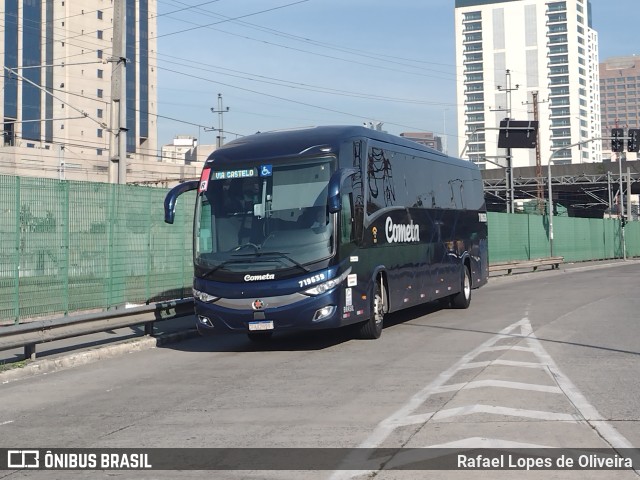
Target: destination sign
(228,174)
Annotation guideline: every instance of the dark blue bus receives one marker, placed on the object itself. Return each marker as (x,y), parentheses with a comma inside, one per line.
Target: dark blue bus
(330,226)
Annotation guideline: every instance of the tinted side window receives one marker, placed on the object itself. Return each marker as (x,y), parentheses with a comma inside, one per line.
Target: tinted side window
(399,179)
(380,186)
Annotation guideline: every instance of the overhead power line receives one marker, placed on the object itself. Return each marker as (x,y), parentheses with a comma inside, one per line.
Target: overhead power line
(297,102)
(235,18)
(82,112)
(297,85)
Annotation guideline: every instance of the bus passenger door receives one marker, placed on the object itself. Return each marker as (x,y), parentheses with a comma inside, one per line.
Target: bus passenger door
(443,266)
(349,226)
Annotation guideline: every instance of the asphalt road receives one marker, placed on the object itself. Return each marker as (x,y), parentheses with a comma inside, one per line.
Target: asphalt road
(544,360)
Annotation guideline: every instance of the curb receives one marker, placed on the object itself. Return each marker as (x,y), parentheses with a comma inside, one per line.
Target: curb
(44,366)
(566,268)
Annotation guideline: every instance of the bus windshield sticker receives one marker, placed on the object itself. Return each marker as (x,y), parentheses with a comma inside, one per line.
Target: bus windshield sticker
(229,174)
(204,180)
(353,259)
(266,170)
(482,217)
(352,280)
(348,297)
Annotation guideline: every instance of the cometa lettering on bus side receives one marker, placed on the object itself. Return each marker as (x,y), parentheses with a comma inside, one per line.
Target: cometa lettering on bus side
(400,233)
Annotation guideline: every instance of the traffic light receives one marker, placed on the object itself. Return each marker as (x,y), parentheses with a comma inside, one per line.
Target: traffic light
(633,144)
(617,144)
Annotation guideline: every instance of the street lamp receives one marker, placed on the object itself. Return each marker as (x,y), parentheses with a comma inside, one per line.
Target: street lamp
(550,202)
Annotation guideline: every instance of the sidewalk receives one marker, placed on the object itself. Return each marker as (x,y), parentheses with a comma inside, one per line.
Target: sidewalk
(73,351)
(564,267)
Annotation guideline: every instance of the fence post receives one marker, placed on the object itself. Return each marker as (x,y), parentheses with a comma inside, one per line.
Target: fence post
(65,245)
(111,234)
(150,210)
(16,264)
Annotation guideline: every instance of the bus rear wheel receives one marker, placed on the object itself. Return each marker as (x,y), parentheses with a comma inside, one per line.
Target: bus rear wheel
(372,328)
(463,298)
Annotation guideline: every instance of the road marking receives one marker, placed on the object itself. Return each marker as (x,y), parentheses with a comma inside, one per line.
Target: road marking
(483,442)
(6,423)
(506,363)
(404,458)
(384,428)
(588,411)
(491,409)
(585,412)
(498,384)
(507,348)
(382,431)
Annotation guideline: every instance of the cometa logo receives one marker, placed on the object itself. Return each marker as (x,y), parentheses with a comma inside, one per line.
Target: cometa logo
(256,278)
(401,233)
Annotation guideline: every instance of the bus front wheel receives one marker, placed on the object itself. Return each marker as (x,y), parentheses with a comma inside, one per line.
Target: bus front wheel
(372,328)
(463,298)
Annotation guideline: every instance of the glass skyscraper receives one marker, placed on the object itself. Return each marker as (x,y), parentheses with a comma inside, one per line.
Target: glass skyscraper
(56,87)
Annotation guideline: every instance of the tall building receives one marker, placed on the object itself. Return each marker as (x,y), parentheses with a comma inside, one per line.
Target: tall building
(428,139)
(619,96)
(55,97)
(508,50)
(186,150)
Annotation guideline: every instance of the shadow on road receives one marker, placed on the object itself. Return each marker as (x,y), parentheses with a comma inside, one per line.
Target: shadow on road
(298,341)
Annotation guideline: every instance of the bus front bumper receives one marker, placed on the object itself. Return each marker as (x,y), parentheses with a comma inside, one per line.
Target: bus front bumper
(272,314)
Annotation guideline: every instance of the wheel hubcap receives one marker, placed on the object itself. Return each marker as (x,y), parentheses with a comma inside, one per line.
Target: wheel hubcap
(378,311)
(467,286)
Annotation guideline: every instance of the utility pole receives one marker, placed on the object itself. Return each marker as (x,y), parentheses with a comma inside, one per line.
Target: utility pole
(540,187)
(61,166)
(509,169)
(629,211)
(118,142)
(221,111)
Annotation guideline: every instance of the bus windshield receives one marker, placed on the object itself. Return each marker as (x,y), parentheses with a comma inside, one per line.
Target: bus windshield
(263,218)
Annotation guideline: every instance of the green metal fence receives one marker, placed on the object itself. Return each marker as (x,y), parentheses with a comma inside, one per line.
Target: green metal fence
(72,246)
(525,237)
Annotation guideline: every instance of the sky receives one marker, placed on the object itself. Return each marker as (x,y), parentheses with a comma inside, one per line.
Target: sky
(281,64)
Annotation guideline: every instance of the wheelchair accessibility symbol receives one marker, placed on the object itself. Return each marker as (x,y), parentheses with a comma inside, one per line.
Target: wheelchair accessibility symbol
(266,170)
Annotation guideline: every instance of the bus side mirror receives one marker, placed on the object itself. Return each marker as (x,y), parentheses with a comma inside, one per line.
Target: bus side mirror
(171,199)
(335,184)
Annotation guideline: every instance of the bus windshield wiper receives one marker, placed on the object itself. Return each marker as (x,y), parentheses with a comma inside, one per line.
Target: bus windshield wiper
(284,255)
(242,259)
(253,258)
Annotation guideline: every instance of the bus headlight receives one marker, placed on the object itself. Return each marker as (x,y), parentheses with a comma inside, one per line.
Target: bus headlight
(206,321)
(328,285)
(203,297)
(324,312)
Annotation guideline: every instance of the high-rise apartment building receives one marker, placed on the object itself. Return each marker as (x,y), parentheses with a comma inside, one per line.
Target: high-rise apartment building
(55,97)
(619,96)
(509,49)
(428,139)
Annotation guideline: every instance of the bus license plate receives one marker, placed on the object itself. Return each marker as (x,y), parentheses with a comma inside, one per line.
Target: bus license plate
(263,325)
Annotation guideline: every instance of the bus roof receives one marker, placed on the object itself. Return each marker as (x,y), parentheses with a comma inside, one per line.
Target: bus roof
(284,143)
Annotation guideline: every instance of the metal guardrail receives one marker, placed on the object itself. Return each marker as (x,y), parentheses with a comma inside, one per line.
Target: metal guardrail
(534,263)
(29,334)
